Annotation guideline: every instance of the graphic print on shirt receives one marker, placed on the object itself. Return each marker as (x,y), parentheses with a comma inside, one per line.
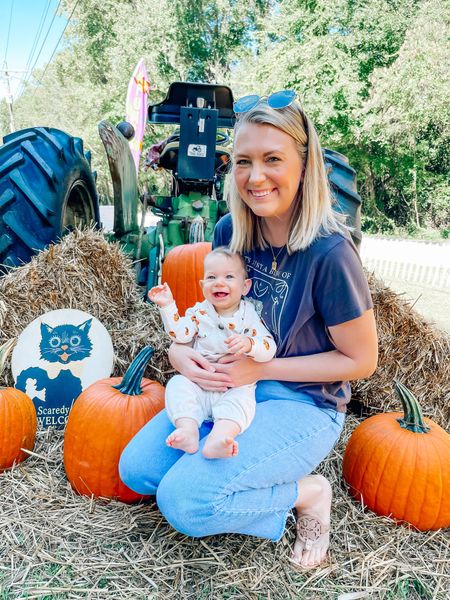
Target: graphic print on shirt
(272,284)
(257,304)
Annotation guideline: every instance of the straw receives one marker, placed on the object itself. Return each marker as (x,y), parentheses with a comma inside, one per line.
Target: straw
(55,544)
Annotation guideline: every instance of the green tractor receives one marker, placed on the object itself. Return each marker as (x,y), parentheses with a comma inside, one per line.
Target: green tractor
(47,187)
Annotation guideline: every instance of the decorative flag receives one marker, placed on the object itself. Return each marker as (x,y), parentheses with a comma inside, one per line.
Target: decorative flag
(136,108)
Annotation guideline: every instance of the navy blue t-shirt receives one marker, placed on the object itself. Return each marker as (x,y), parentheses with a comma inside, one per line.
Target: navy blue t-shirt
(311,290)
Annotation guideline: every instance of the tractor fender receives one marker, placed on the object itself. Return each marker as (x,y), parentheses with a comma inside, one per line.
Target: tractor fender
(46,188)
(124,178)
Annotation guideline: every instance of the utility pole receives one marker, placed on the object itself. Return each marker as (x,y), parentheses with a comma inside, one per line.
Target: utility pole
(9,102)
(6,75)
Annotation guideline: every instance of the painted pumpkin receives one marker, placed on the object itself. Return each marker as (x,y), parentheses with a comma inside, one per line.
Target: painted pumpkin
(101,422)
(18,422)
(399,466)
(182,269)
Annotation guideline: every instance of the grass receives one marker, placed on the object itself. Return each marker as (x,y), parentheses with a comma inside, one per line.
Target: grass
(410,589)
(420,235)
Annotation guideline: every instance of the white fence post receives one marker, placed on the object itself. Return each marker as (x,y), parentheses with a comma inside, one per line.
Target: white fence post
(424,263)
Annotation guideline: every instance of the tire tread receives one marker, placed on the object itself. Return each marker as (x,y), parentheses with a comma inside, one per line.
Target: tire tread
(37,166)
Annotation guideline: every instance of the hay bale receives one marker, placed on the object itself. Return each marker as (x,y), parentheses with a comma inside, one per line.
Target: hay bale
(61,544)
(55,544)
(85,272)
(410,349)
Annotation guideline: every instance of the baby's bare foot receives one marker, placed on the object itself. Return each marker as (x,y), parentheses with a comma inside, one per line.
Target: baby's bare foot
(183,439)
(217,447)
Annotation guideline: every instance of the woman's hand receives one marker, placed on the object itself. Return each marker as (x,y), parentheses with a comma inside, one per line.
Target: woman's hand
(241,370)
(198,369)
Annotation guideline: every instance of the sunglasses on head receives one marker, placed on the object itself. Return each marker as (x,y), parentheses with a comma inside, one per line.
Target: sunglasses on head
(276,100)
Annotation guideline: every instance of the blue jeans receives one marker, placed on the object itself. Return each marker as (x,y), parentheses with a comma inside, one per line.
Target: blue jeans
(252,493)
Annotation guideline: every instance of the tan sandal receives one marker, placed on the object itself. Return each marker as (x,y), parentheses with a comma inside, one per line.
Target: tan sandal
(310,531)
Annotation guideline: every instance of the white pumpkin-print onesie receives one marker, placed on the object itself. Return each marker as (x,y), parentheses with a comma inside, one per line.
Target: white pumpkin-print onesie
(209,330)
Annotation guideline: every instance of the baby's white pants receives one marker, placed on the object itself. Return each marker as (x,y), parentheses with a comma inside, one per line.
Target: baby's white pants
(184,398)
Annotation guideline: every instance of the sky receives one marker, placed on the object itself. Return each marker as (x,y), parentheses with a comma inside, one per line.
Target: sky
(27,17)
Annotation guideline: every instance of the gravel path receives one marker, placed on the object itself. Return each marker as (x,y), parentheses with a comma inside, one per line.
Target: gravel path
(432,303)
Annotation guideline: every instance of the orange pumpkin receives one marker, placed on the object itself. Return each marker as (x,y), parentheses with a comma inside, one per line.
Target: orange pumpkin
(101,422)
(18,422)
(182,269)
(399,466)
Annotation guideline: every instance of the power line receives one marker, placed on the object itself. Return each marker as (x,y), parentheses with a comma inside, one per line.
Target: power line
(60,38)
(46,36)
(9,31)
(29,74)
(33,48)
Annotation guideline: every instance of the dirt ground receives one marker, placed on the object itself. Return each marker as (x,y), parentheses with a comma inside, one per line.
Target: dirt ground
(432,303)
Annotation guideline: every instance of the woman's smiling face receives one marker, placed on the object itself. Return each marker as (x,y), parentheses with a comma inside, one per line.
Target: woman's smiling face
(267,170)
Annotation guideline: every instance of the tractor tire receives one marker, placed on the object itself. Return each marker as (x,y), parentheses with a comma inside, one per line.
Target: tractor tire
(342,180)
(46,189)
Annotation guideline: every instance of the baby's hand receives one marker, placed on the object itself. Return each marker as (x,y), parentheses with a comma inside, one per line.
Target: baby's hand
(161,295)
(238,344)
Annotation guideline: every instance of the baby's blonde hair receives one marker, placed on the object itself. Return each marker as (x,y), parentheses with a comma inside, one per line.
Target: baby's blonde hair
(223,250)
(313,215)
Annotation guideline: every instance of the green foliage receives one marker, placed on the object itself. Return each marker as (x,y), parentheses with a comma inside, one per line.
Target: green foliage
(4,119)
(406,121)
(360,69)
(410,589)
(373,76)
(207,34)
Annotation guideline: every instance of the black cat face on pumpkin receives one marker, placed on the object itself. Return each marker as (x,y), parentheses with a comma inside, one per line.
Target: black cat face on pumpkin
(65,343)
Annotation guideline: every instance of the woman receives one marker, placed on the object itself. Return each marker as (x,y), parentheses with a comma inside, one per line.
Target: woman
(309,285)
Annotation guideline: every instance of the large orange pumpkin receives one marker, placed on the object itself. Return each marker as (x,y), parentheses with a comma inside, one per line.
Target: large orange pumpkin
(399,466)
(182,269)
(101,422)
(18,422)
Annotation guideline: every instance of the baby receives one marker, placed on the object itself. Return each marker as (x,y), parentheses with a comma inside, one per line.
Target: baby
(223,323)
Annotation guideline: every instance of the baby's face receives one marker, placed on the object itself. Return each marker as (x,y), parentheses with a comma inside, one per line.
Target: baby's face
(224,282)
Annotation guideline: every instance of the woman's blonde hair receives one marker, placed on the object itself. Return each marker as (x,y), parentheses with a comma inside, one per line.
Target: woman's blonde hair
(313,215)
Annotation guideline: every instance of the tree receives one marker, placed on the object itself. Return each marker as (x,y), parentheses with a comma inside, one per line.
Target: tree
(87,81)
(327,51)
(406,120)
(373,76)
(209,33)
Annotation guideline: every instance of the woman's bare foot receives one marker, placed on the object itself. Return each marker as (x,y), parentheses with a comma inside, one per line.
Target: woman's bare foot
(185,439)
(218,447)
(313,509)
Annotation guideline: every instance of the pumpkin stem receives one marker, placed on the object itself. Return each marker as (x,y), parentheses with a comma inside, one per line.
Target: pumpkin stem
(5,349)
(131,382)
(413,418)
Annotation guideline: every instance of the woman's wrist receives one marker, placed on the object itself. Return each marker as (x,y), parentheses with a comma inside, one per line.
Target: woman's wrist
(265,370)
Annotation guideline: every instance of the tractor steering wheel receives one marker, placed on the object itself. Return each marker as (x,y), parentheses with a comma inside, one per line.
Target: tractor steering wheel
(222,138)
